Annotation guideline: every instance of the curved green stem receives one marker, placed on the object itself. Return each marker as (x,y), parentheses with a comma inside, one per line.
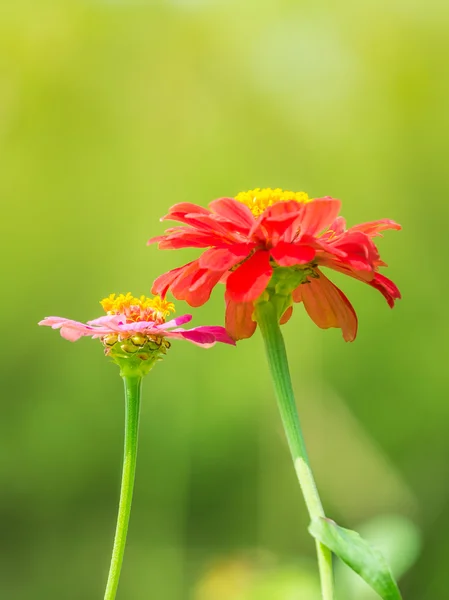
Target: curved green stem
(267,319)
(133,387)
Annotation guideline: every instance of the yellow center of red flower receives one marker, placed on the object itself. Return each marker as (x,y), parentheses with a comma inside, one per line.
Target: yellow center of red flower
(258,200)
(138,309)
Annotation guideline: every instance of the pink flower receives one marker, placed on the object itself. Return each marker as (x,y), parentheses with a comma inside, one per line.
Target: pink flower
(205,336)
(135,328)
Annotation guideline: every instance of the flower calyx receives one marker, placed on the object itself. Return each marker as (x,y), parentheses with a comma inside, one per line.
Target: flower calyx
(136,354)
(282,284)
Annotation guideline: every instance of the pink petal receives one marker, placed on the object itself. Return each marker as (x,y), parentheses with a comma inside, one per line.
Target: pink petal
(73,330)
(287,255)
(247,282)
(319,214)
(175,322)
(327,306)
(107,320)
(206,336)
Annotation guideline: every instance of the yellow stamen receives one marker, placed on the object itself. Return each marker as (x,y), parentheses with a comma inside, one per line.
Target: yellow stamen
(138,309)
(258,200)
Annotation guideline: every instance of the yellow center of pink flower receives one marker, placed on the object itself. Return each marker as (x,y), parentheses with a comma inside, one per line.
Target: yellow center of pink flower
(258,200)
(138,309)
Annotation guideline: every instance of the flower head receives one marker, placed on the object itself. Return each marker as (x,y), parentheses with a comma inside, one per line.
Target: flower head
(271,244)
(135,333)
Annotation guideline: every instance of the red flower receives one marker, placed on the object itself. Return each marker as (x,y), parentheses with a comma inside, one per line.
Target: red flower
(261,233)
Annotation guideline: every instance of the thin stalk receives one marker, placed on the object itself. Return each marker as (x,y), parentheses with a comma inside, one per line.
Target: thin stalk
(133,386)
(277,360)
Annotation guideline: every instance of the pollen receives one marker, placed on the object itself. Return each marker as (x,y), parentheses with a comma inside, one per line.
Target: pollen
(260,199)
(138,309)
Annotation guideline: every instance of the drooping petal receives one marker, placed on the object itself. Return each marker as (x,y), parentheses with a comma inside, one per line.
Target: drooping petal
(319,214)
(202,336)
(287,255)
(247,282)
(201,286)
(286,316)
(327,306)
(162,284)
(239,322)
(386,287)
(189,282)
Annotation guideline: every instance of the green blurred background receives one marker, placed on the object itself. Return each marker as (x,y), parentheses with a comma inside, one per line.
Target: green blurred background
(112,111)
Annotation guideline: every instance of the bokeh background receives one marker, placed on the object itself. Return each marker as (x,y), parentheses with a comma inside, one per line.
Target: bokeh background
(111,111)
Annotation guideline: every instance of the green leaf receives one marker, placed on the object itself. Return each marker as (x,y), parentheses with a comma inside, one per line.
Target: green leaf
(363,558)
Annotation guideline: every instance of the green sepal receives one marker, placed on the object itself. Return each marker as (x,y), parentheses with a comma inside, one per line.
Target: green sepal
(136,361)
(282,283)
(359,555)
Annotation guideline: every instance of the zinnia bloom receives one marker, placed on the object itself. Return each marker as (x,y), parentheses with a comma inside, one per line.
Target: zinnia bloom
(274,241)
(135,331)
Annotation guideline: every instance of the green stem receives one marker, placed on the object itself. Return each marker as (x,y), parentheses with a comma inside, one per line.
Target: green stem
(133,386)
(267,319)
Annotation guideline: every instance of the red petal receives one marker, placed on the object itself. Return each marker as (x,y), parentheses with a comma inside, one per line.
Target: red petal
(251,278)
(189,283)
(236,212)
(201,220)
(194,285)
(286,316)
(179,211)
(222,259)
(361,252)
(287,255)
(319,214)
(239,322)
(163,283)
(386,287)
(372,228)
(187,237)
(277,220)
(338,226)
(327,306)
